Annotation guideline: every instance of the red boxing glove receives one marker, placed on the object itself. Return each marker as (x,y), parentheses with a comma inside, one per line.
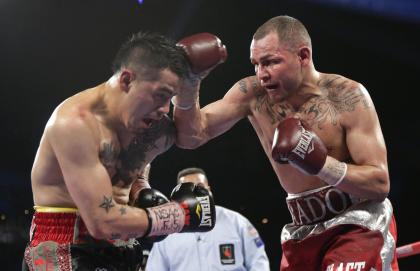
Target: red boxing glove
(204,51)
(296,143)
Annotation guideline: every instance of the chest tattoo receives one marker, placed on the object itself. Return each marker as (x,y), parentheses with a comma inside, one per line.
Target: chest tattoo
(108,155)
(133,158)
(276,112)
(263,103)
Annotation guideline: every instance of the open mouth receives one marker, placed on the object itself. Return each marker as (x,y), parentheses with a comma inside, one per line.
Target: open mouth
(270,87)
(148,122)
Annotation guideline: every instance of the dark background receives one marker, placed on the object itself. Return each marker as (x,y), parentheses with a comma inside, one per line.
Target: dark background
(51,49)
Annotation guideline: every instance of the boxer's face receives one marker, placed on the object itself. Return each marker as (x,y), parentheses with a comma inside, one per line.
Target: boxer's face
(148,100)
(277,67)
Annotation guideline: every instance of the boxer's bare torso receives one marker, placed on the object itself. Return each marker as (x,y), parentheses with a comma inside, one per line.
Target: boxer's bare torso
(123,155)
(325,109)
(339,110)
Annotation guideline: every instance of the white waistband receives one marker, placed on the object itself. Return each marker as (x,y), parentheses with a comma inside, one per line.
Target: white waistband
(305,193)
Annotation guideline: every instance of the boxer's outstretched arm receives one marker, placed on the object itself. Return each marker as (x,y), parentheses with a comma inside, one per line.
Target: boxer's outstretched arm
(367,176)
(195,126)
(89,184)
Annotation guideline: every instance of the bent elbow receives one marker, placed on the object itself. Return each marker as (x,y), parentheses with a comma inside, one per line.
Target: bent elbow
(189,145)
(382,190)
(382,196)
(98,231)
(382,186)
(97,228)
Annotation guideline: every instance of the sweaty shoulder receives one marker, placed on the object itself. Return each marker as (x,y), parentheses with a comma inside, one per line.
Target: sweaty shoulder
(71,119)
(244,93)
(340,101)
(248,87)
(344,94)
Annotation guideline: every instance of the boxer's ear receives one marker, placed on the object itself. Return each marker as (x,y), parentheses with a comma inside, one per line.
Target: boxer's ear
(304,53)
(124,80)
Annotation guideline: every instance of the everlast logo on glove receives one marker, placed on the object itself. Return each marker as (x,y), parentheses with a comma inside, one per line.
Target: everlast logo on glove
(199,209)
(202,211)
(205,211)
(305,145)
(296,143)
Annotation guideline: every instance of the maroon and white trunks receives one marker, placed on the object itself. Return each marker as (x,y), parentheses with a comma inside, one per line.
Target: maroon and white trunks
(332,231)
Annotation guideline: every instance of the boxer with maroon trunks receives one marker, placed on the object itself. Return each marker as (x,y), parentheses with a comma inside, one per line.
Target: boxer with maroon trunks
(93,160)
(323,138)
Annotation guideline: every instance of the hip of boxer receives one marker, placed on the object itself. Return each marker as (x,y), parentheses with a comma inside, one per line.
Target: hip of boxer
(318,205)
(65,226)
(361,236)
(59,239)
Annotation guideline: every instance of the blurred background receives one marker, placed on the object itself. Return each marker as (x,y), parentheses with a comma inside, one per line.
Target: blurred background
(51,49)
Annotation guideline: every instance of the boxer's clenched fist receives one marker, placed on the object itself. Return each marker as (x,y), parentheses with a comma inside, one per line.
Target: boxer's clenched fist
(204,52)
(296,143)
(191,209)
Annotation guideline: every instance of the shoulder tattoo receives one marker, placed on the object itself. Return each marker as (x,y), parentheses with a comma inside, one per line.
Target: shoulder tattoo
(249,83)
(242,86)
(341,96)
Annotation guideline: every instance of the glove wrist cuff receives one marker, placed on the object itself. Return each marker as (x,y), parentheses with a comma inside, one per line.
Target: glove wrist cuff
(149,226)
(333,171)
(185,106)
(165,219)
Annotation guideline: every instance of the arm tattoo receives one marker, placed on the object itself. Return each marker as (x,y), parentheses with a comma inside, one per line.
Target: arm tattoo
(132,235)
(115,236)
(123,210)
(107,203)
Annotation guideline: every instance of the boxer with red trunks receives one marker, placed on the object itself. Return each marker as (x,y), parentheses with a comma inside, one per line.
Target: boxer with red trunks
(90,173)
(323,138)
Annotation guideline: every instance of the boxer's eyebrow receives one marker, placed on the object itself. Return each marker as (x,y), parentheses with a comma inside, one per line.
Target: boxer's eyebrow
(167,90)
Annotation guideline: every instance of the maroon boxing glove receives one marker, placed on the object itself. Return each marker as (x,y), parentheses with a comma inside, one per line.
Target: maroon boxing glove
(204,51)
(295,142)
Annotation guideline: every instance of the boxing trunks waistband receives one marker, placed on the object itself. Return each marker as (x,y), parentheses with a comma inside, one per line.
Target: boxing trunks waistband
(65,226)
(318,205)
